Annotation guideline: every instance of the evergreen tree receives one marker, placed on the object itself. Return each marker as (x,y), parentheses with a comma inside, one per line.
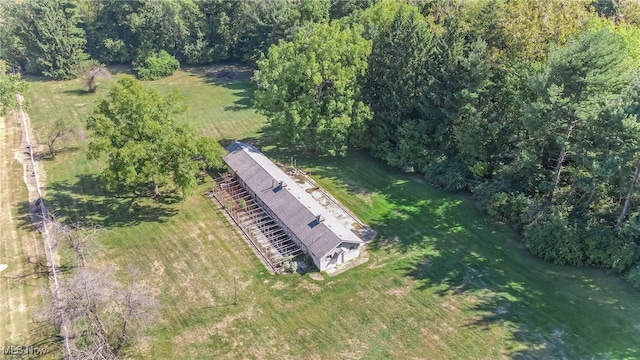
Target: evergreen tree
(394,84)
(476,127)
(571,94)
(49,32)
(629,149)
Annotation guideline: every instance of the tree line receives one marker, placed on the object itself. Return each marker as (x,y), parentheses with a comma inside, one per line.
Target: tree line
(532,107)
(52,37)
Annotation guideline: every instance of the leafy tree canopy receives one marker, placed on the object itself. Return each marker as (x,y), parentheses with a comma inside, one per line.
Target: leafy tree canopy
(151,66)
(378,17)
(528,28)
(9,86)
(134,126)
(308,88)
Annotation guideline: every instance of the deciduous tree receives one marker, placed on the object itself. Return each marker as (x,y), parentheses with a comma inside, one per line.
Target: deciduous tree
(146,149)
(60,130)
(308,88)
(98,315)
(9,85)
(528,28)
(89,72)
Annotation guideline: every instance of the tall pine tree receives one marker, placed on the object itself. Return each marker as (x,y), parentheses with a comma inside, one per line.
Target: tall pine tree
(395,82)
(50,35)
(571,95)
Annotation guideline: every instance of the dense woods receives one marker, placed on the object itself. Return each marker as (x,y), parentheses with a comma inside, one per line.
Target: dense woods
(531,106)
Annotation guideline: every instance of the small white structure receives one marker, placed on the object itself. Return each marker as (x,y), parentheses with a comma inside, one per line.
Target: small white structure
(316,231)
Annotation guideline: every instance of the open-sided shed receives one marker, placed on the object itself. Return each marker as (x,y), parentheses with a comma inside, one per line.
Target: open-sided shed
(314,229)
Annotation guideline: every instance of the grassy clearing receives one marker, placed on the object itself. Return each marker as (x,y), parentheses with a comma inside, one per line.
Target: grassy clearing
(221,110)
(19,285)
(451,252)
(442,281)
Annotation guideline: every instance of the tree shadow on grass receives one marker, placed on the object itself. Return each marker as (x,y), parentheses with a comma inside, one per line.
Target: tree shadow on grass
(234,77)
(78,92)
(46,154)
(266,140)
(543,305)
(121,69)
(84,201)
(453,251)
(244,91)
(24,216)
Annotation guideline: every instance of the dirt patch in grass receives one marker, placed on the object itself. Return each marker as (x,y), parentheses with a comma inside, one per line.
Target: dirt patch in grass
(225,73)
(316,276)
(311,287)
(398,292)
(219,328)
(356,349)
(279,285)
(157,268)
(365,197)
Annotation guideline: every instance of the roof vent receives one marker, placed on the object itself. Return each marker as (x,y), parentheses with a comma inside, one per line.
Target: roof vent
(283,184)
(319,218)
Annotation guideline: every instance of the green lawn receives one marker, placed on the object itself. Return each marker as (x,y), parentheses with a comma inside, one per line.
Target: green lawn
(441,282)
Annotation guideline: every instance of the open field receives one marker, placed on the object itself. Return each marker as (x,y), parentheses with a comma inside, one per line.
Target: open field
(441,282)
(19,285)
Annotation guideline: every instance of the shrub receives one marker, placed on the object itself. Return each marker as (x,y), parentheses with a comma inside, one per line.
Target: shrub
(553,238)
(447,174)
(154,66)
(633,277)
(289,265)
(606,249)
(499,200)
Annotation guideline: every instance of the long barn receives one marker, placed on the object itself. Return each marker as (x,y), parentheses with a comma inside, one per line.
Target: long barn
(306,222)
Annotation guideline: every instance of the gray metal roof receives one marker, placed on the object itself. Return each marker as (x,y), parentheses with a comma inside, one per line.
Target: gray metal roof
(290,203)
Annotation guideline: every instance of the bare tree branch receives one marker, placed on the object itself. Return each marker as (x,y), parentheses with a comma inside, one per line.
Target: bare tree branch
(103,314)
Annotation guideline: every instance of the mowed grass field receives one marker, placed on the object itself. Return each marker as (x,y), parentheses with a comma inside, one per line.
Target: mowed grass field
(442,281)
(20,286)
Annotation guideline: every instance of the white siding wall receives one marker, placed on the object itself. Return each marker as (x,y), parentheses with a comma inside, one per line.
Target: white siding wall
(351,254)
